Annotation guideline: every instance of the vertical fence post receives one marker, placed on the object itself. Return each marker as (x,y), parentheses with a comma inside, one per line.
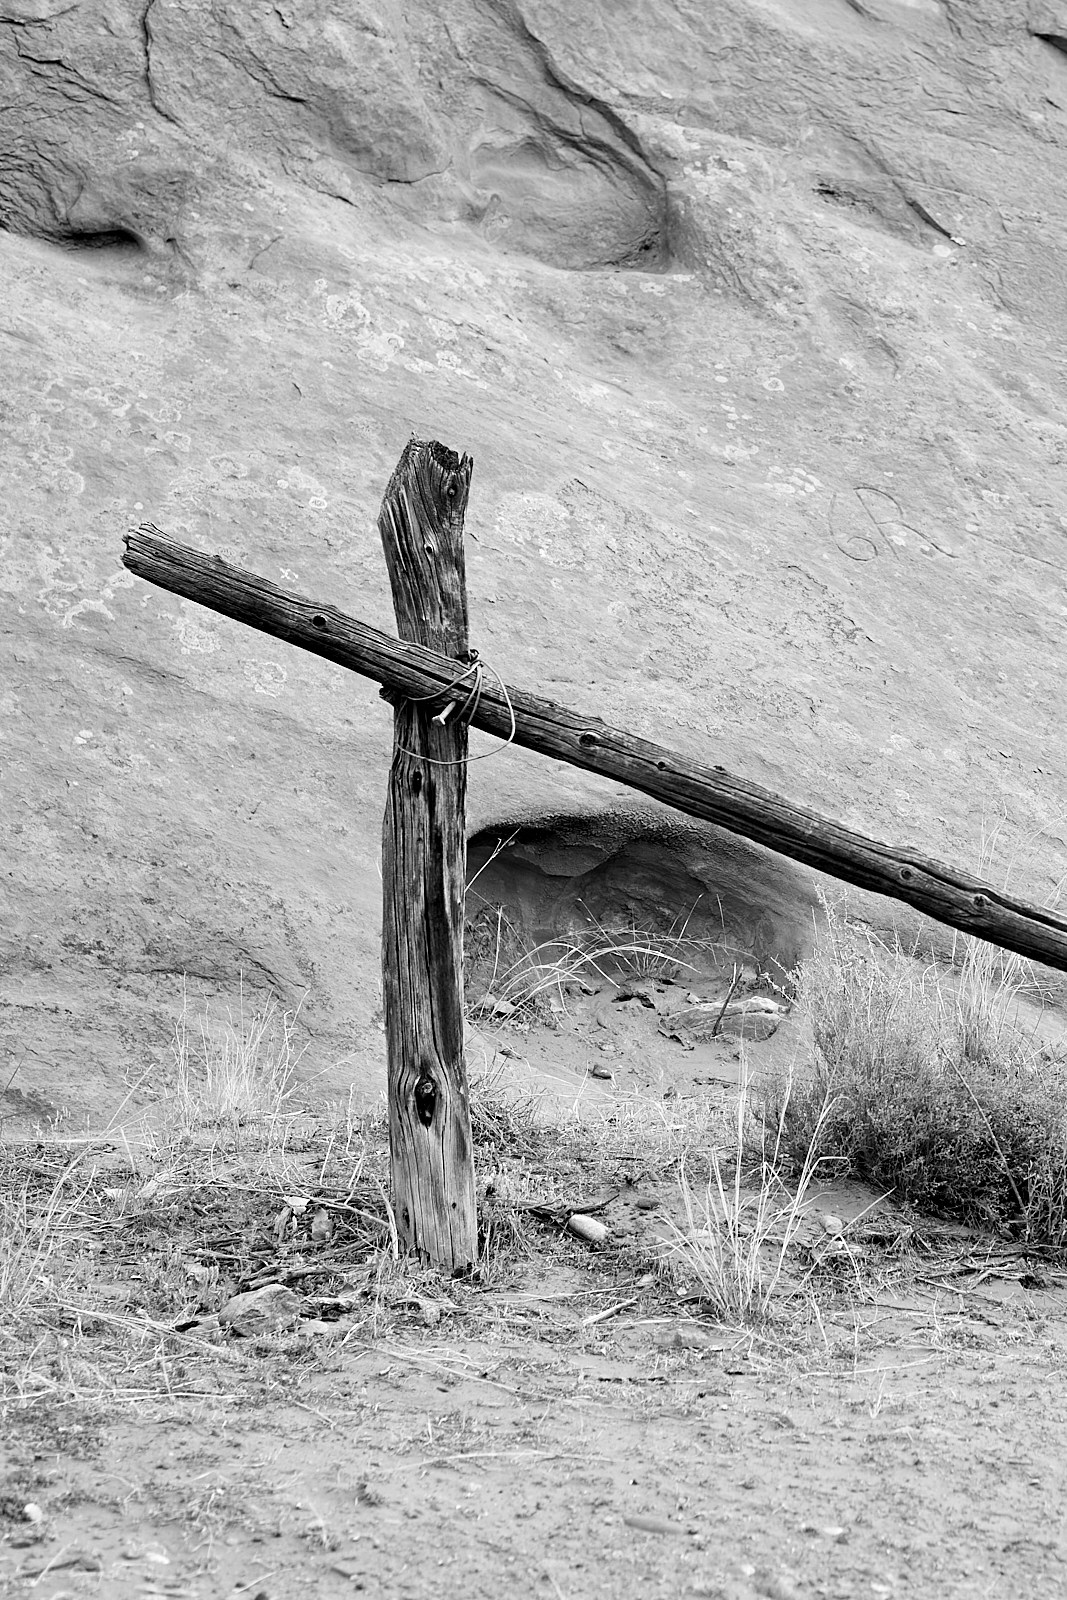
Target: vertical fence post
(424,852)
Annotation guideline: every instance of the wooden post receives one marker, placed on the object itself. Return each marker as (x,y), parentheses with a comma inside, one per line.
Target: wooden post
(424,854)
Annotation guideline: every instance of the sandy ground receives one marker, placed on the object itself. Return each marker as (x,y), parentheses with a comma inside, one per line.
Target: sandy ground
(910,1443)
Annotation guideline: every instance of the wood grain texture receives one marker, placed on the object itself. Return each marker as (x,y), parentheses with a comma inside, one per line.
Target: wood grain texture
(943,892)
(424,853)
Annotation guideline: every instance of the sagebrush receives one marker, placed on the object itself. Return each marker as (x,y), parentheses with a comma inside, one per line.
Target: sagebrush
(932,1083)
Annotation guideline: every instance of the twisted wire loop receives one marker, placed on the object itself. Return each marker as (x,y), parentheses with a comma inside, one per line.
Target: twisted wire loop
(473,670)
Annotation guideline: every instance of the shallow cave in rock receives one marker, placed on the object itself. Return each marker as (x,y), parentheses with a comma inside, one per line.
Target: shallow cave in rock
(674,917)
(117,240)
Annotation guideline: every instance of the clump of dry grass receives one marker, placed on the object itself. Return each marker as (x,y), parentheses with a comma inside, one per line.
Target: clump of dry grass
(233,1073)
(516,981)
(47,1256)
(35,1224)
(736,1237)
(931,1083)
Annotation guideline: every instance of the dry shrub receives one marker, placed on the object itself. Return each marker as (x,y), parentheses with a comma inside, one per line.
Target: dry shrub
(930,1083)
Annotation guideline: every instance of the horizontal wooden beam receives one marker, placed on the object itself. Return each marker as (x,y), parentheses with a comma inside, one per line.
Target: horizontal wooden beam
(710,793)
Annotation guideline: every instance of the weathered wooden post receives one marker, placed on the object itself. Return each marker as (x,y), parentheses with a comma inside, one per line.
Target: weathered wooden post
(424,850)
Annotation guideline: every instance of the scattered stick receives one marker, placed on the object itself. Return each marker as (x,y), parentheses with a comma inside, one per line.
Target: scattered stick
(731,991)
(610,1311)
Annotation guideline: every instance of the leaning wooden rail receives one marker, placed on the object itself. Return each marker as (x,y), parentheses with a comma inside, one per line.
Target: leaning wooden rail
(711,793)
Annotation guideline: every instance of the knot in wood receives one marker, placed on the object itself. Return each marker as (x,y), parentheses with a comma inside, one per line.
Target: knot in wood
(425,1095)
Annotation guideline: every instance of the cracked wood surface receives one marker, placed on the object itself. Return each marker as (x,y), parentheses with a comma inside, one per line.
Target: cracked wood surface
(424,857)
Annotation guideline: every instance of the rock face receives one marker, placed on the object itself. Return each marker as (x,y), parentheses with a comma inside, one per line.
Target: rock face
(333,97)
(751,315)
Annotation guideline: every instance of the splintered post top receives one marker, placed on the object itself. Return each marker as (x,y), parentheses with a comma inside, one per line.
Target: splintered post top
(421,527)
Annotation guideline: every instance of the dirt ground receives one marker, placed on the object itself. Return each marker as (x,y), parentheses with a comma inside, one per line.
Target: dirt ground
(919,1450)
(905,1463)
(573,1423)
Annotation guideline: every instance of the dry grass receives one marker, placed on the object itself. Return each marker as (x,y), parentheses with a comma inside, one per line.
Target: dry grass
(514,980)
(114,1260)
(233,1074)
(736,1239)
(110,1276)
(38,1216)
(932,1084)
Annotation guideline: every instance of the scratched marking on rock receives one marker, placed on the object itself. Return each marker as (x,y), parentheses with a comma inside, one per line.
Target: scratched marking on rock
(866,522)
